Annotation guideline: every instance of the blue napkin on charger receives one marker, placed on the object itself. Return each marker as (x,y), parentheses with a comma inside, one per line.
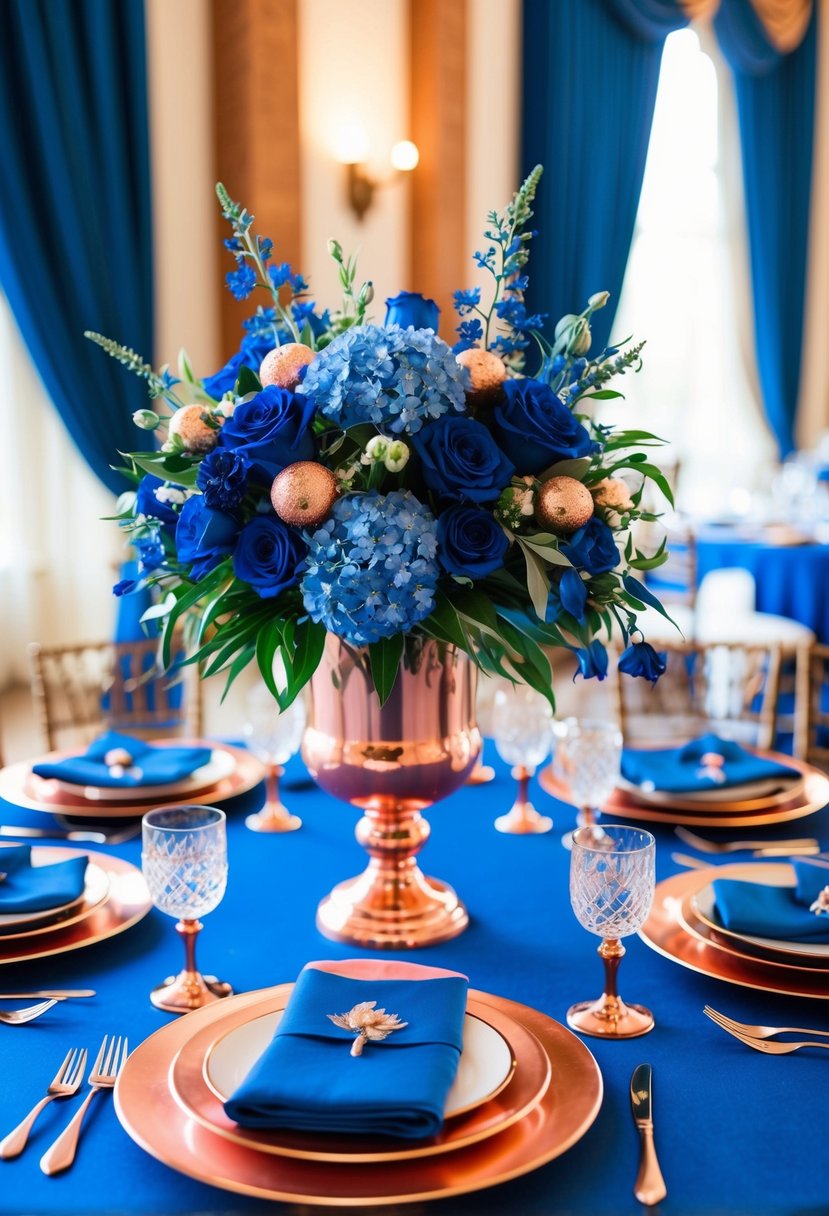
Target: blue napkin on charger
(28,888)
(151,765)
(680,770)
(776,912)
(308,1080)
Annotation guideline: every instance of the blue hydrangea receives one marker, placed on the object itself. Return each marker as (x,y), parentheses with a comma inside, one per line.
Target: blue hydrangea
(396,378)
(372,568)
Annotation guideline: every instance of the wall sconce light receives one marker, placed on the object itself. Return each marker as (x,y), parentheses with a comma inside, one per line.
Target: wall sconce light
(360,186)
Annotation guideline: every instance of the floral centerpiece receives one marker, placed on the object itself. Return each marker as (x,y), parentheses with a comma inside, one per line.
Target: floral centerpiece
(370,481)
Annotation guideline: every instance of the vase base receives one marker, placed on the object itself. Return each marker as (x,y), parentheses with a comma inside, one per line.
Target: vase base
(423,914)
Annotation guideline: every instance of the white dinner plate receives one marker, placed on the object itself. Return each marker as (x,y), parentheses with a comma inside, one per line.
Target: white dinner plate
(486,1062)
(705,906)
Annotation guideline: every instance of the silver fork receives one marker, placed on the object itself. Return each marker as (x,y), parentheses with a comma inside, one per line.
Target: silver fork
(102,1076)
(758,1032)
(771,1047)
(19,1017)
(66,1083)
(742,846)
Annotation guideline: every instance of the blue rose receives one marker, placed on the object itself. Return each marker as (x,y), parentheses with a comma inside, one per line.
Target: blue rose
(268,555)
(592,661)
(640,659)
(535,429)
(203,536)
(271,431)
(151,553)
(222,479)
(568,595)
(461,460)
(146,502)
(592,548)
(470,542)
(411,308)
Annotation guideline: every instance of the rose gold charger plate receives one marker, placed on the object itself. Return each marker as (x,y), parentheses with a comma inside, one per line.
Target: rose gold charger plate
(669,933)
(23,788)
(165,1105)
(125,903)
(808,795)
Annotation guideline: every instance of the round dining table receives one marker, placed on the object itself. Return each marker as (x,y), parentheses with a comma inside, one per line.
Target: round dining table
(736,1131)
(791,578)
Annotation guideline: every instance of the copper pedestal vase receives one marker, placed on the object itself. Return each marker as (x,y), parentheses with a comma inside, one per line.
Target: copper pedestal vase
(392,761)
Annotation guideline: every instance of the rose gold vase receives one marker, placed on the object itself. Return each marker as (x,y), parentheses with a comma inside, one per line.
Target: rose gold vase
(392,761)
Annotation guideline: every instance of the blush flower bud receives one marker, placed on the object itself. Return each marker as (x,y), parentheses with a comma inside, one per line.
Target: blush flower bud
(146,420)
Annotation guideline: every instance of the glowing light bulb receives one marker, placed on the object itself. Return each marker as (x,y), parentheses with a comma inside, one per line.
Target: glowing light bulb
(405,155)
(351,144)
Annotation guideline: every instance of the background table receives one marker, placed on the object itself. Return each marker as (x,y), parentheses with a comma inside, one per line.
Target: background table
(736,1131)
(791,580)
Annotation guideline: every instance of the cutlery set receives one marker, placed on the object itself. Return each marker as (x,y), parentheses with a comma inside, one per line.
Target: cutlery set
(66,1084)
(804,846)
(762,1038)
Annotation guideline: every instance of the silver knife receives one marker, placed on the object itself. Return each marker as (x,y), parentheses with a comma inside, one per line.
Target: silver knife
(88,837)
(649,1187)
(59,994)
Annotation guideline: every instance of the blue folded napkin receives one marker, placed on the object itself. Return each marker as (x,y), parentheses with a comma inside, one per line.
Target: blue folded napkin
(150,765)
(308,1080)
(28,888)
(681,770)
(777,912)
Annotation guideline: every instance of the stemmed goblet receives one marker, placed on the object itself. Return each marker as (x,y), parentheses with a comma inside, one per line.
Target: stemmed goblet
(522,728)
(612,881)
(587,759)
(484,700)
(184,860)
(273,735)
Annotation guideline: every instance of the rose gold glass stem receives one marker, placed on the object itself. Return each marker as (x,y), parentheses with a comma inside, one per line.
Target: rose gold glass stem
(523,819)
(189,989)
(610,1017)
(273,817)
(586,817)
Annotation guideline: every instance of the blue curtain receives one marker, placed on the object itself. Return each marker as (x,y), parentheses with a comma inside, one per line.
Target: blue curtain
(775,98)
(75,235)
(591,69)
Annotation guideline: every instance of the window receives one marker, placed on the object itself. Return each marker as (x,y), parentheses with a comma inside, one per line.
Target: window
(686,289)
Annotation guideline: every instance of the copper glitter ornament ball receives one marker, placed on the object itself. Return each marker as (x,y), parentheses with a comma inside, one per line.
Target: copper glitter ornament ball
(613,494)
(486,374)
(196,435)
(303,494)
(563,505)
(283,366)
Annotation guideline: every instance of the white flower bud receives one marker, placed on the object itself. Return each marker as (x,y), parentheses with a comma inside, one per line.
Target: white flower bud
(376,449)
(598,300)
(146,420)
(397,456)
(366,293)
(335,249)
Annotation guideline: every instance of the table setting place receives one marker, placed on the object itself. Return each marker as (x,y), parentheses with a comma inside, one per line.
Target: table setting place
(363,1081)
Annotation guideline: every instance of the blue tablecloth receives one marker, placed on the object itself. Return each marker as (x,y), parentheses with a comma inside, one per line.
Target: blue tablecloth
(791,580)
(736,1131)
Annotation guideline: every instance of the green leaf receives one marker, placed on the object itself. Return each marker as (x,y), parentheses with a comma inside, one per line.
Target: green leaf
(549,552)
(268,640)
(158,610)
(384,659)
(538,584)
(247,382)
(567,468)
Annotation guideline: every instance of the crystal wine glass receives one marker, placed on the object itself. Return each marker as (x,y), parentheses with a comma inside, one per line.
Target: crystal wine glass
(484,701)
(273,735)
(588,756)
(184,860)
(522,729)
(611,889)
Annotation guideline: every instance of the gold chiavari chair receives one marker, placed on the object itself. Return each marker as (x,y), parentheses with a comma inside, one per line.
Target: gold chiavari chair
(817,712)
(728,688)
(82,689)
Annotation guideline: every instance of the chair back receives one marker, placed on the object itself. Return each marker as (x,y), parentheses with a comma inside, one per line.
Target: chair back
(675,581)
(728,688)
(81,690)
(817,714)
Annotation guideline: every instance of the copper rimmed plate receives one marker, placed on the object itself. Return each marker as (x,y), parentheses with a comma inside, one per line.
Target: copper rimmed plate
(526,1081)
(96,890)
(126,903)
(665,932)
(810,794)
(702,907)
(22,788)
(148,1111)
